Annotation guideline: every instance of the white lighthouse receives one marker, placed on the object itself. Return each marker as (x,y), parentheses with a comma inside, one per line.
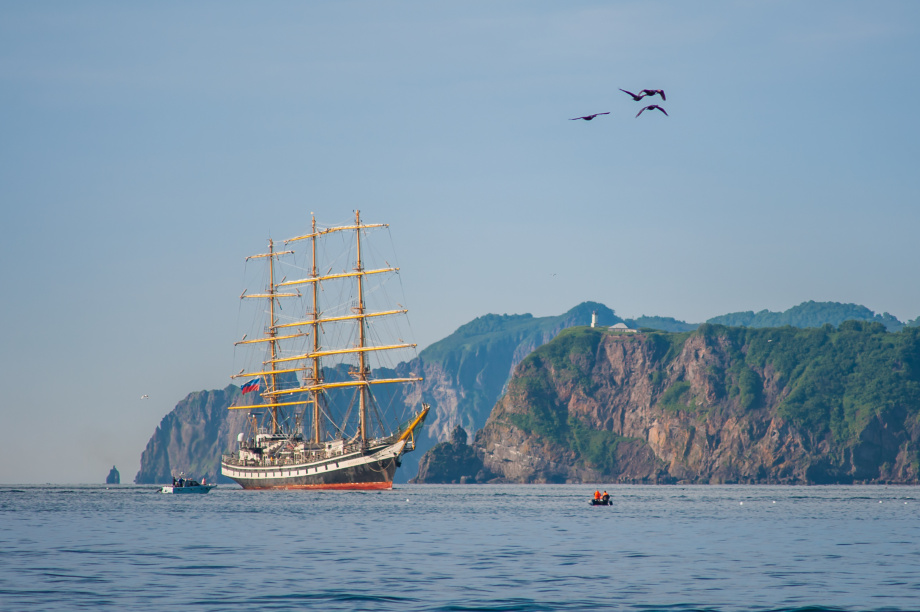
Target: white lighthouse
(594,318)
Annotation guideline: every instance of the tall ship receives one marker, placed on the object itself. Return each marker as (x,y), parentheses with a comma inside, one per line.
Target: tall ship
(315,423)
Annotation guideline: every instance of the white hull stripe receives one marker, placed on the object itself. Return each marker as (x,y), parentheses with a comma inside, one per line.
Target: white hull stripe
(313,467)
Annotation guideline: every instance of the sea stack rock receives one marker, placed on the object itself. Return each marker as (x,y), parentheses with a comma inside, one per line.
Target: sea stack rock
(114,477)
(452,462)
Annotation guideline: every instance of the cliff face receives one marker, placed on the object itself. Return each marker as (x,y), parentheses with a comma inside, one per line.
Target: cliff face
(454,462)
(192,437)
(466,373)
(720,405)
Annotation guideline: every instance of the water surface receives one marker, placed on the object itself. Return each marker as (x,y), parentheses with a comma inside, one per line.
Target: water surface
(472,547)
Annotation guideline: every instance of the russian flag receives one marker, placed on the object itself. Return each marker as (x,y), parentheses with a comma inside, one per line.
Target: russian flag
(252,385)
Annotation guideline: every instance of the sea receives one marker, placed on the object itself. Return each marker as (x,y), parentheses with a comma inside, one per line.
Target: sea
(461,547)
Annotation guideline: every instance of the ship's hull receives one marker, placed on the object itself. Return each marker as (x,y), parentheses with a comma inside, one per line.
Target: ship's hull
(187,490)
(373,469)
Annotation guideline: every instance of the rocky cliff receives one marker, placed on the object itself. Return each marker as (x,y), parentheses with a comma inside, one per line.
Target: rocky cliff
(718,405)
(192,437)
(454,462)
(466,373)
(114,477)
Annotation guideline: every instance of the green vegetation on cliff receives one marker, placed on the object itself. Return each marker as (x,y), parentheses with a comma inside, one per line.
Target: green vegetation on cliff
(808,314)
(668,324)
(596,448)
(478,358)
(831,384)
(476,362)
(833,380)
(569,357)
(484,333)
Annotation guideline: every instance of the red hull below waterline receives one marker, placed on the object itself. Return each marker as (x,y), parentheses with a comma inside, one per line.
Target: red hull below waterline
(342,486)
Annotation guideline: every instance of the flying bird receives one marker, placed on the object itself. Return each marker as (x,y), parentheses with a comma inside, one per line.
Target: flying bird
(652,107)
(634,96)
(652,92)
(589,117)
(145,396)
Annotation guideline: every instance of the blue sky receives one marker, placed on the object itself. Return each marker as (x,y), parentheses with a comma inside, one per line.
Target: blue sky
(146,150)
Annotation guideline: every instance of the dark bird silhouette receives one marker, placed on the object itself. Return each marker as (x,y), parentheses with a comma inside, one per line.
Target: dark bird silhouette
(589,117)
(634,96)
(652,107)
(652,92)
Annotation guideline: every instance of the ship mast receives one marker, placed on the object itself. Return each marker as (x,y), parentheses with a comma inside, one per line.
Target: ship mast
(317,370)
(362,329)
(314,383)
(273,342)
(271,336)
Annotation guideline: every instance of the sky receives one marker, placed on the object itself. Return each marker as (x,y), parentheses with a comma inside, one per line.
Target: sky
(147,149)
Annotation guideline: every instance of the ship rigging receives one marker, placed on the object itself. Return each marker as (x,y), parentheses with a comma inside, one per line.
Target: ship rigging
(305,430)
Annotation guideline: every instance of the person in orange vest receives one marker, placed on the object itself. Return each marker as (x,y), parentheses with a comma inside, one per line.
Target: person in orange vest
(597,496)
(605,498)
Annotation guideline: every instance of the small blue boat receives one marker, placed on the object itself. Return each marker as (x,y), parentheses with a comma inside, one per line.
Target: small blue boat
(187,485)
